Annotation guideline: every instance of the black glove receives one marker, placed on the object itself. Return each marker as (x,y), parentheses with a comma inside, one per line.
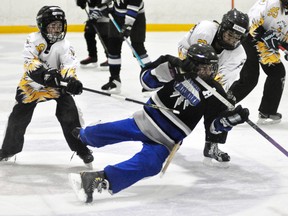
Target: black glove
(126,31)
(271,40)
(51,78)
(231,98)
(95,13)
(81,3)
(188,68)
(230,119)
(183,68)
(74,87)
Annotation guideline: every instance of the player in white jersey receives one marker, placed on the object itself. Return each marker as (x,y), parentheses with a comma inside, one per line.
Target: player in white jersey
(48,59)
(225,38)
(268,29)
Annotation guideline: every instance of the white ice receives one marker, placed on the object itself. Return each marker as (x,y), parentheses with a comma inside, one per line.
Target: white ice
(256,183)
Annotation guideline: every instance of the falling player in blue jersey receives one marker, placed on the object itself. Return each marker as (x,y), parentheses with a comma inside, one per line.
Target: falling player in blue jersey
(158,129)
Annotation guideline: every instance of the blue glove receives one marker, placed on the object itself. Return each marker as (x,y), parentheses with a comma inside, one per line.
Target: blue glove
(271,40)
(230,119)
(95,13)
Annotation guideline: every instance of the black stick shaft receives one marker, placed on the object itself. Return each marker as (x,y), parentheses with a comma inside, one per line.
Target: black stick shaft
(130,99)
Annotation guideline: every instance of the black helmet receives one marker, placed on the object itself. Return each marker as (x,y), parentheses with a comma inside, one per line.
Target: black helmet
(201,55)
(237,22)
(284,3)
(47,15)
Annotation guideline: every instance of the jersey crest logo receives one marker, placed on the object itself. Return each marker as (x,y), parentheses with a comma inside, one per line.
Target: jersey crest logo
(40,48)
(188,92)
(201,41)
(273,12)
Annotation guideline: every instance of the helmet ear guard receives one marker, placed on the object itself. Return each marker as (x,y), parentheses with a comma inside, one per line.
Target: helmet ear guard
(47,15)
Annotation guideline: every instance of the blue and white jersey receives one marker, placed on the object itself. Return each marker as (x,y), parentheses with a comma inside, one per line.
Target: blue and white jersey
(187,96)
(127,8)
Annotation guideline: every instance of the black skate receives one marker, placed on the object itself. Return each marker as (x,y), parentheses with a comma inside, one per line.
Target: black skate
(87,158)
(3,156)
(113,86)
(76,133)
(212,152)
(267,119)
(89,61)
(87,182)
(104,66)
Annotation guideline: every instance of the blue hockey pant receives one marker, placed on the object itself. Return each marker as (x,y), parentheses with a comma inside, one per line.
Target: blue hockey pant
(147,162)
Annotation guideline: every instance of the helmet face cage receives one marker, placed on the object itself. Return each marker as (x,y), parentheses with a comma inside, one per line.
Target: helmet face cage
(205,60)
(284,4)
(238,23)
(46,16)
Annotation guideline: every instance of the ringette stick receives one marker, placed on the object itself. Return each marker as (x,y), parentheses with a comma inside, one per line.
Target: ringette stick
(253,125)
(169,159)
(133,50)
(131,100)
(94,24)
(64,84)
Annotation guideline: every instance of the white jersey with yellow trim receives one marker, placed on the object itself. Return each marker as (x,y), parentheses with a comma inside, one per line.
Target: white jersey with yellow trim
(230,61)
(271,16)
(268,13)
(60,55)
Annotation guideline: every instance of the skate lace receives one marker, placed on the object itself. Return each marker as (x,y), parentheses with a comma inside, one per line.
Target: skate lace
(99,184)
(214,150)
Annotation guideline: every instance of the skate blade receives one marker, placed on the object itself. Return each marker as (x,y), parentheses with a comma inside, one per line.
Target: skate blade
(102,68)
(213,163)
(268,121)
(113,91)
(9,159)
(89,166)
(76,184)
(90,65)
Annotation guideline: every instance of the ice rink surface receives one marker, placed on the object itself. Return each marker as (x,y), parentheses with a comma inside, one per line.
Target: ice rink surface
(256,183)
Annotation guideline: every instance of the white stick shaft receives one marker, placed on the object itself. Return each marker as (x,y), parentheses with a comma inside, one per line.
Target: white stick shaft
(215,93)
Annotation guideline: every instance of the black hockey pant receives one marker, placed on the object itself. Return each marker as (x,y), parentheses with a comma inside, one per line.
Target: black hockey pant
(249,75)
(19,119)
(90,36)
(137,38)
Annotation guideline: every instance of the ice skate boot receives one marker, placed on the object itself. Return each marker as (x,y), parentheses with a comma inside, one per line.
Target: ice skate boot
(89,62)
(104,66)
(85,184)
(113,86)
(212,152)
(87,158)
(267,119)
(3,156)
(76,133)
